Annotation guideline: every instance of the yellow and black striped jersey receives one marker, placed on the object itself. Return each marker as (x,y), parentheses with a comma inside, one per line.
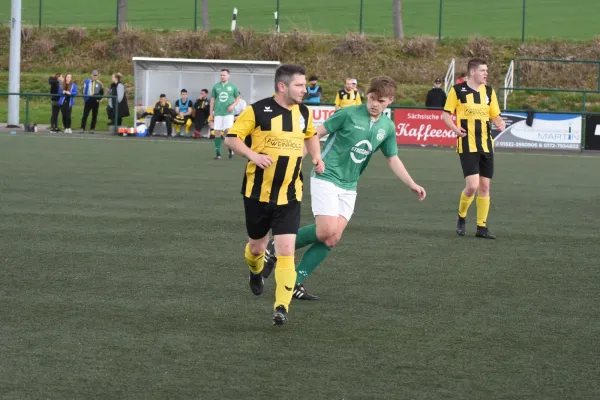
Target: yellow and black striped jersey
(345,99)
(474,109)
(268,128)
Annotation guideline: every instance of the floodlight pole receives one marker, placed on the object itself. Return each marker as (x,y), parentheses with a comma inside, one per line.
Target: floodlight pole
(14,69)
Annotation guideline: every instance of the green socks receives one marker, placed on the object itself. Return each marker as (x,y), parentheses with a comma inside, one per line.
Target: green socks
(218,141)
(311,260)
(306,235)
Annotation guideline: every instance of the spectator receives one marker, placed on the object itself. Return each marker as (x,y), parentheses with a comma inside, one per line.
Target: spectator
(120,103)
(66,101)
(91,87)
(462,78)
(55,83)
(183,110)
(355,87)
(313,92)
(239,107)
(347,96)
(436,97)
(162,113)
(202,111)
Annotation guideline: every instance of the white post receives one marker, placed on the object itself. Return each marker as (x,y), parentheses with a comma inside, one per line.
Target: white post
(277,21)
(14,74)
(233,19)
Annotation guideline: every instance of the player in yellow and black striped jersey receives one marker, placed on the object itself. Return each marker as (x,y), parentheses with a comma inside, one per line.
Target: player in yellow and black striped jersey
(347,96)
(272,134)
(476,107)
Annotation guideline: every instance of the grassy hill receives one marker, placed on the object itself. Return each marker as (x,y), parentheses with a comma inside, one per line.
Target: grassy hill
(460,18)
(414,63)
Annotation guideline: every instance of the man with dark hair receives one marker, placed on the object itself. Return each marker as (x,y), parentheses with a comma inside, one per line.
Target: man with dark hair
(272,134)
(436,97)
(183,110)
(355,134)
(223,99)
(55,83)
(202,111)
(163,112)
(313,91)
(476,107)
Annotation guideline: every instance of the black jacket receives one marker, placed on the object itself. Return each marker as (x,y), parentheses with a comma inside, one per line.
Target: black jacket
(202,107)
(54,87)
(436,97)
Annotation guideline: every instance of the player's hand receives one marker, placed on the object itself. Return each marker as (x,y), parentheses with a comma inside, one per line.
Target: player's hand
(230,108)
(319,165)
(419,191)
(501,126)
(462,132)
(262,160)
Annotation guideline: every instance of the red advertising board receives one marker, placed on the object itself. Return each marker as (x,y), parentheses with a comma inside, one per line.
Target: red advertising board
(422,127)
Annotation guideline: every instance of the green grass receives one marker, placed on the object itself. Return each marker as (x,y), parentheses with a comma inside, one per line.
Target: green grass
(460,18)
(122,277)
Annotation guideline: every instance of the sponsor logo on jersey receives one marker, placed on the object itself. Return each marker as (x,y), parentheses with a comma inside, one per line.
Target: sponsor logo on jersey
(284,143)
(380,135)
(361,151)
(223,97)
(302,122)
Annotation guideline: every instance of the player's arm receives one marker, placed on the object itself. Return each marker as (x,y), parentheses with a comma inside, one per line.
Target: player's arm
(495,112)
(177,106)
(389,148)
(190,108)
(398,168)
(244,126)
(312,144)
(449,109)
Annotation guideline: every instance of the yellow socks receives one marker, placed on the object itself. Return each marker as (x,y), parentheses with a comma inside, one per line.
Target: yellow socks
(465,203)
(285,278)
(483,208)
(255,263)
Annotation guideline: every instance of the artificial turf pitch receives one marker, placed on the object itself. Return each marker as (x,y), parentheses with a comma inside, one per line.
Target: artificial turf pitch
(122,277)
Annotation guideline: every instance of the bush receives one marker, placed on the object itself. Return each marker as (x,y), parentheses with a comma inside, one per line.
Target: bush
(479,47)
(273,47)
(243,38)
(128,43)
(421,46)
(75,35)
(353,45)
(216,51)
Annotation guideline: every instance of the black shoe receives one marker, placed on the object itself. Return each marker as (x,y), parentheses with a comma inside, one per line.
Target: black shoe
(461,226)
(300,293)
(270,259)
(218,157)
(280,316)
(257,284)
(230,154)
(484,232)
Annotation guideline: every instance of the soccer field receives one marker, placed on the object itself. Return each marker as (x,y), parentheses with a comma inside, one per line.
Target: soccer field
(123,278)
(545,18)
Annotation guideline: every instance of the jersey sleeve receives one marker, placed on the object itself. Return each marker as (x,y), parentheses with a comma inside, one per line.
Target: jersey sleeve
(213,92)
(310,128)
(389,147)
(236,92)
(244,125)
(451,102)
(336,121)
(494,107)
(337,99)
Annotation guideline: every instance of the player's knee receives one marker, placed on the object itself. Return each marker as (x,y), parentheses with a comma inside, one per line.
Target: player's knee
(470,189)
(257,248)
(484,189)
(333,240)
(326,233)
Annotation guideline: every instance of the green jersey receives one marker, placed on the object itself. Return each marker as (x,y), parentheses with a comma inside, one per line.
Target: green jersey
(224,95)
(353,138)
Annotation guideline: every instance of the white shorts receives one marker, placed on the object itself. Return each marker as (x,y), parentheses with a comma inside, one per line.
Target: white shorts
(223,122)
(328,199)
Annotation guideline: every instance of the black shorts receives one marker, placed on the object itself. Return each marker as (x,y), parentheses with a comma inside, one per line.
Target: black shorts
(477,164)
(263,217)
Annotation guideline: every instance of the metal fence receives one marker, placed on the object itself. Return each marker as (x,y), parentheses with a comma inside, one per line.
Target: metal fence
(518,19)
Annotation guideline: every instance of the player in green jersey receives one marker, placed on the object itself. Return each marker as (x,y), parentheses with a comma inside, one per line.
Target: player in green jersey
(223,99)
(355,134)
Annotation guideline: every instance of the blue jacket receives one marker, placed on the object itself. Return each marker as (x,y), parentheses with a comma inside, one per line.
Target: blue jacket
(313,95)
(98,90)
(73,91)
